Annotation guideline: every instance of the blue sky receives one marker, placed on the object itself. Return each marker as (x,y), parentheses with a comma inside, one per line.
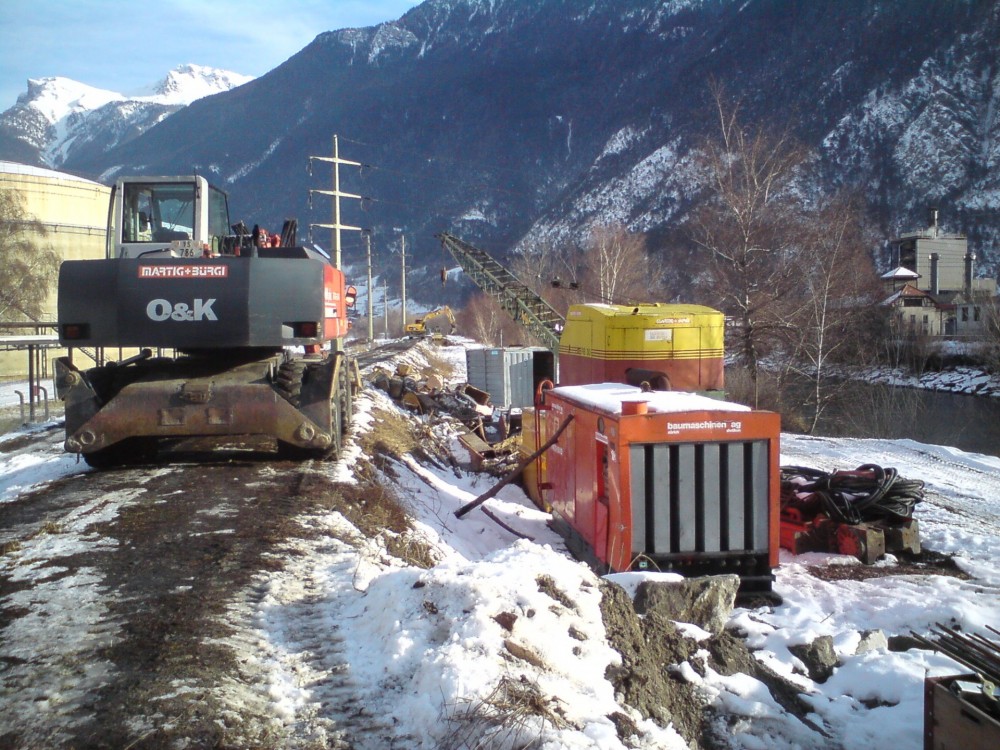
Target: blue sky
(123,45)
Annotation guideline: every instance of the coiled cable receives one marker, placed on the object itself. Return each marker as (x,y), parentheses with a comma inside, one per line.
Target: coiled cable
(869,493)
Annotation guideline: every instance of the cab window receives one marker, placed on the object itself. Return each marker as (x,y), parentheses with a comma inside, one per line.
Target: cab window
(159,212)
(218,216)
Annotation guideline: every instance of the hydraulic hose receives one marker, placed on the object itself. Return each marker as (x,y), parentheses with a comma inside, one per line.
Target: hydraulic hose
(868,493)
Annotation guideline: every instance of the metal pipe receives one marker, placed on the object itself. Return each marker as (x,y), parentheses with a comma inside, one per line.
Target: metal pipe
(975,652)
(21,397)
(45,392)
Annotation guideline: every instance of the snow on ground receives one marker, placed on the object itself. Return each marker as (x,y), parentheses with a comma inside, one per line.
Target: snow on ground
(9,392)
(21,470)
(968,380)
(421,650)
(959,516)
(428,642)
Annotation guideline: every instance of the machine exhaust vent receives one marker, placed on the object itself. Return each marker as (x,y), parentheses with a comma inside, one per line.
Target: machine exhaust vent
(699,497)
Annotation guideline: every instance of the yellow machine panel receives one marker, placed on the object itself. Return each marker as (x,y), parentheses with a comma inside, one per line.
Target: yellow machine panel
(670,346)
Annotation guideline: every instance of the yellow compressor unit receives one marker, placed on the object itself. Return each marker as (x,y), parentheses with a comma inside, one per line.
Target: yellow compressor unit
(670,347)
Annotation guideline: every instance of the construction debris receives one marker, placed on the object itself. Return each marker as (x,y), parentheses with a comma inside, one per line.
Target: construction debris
(974,651)
(963,710)
(491,436)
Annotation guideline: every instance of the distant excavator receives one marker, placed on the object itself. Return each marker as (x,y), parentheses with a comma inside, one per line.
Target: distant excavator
(441,320)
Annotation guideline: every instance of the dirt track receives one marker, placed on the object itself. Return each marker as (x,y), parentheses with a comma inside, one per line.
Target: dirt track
(136,569)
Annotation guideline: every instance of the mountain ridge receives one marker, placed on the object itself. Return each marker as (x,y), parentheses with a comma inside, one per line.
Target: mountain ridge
(510,123)
(58,119)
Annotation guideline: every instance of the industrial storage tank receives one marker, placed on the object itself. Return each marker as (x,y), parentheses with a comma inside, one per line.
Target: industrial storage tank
(66,214)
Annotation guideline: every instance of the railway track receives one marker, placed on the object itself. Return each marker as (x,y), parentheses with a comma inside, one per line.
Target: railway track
(383,352)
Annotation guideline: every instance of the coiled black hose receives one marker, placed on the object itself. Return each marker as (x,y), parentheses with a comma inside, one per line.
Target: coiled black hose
(868,493)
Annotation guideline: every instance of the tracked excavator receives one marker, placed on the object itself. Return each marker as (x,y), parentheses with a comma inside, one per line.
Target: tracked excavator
(441,320)
(238,332)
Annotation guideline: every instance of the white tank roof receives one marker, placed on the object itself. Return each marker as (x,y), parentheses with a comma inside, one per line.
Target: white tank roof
(12,167)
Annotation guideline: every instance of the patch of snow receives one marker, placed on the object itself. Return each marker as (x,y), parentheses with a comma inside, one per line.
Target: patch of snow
(340,628)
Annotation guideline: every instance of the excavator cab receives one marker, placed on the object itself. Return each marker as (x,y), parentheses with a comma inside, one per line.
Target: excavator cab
(167,217)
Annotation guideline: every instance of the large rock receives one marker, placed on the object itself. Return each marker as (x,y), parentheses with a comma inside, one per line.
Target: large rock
(871,640)
(649,647)
(819,657)
(706,602)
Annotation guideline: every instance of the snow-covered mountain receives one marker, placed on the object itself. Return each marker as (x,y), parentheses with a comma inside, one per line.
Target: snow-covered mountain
(59,119)
(509,122)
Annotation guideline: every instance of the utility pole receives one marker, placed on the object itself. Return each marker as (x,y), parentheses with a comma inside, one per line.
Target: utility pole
(371,308)
(385,305)
(404,286)
(336,194)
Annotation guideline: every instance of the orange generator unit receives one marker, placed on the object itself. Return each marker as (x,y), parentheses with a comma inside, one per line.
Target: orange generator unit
(660,480)
(670,346)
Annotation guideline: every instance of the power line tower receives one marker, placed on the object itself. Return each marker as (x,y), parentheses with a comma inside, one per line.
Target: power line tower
(336,194)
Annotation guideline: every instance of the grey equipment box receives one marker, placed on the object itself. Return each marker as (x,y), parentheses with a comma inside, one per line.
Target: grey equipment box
(511,374)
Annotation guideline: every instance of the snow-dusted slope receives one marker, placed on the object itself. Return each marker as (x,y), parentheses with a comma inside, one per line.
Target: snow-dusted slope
(59,117)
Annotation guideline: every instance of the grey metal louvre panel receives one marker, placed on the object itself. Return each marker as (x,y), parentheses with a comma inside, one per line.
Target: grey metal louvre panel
(710,529)
(684,490)
(699,497)
(734,505)
(650,480)
(658,501)
(640,495)
(759,480)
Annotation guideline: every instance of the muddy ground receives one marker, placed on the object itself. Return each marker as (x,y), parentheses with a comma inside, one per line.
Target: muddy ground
(171,548)
(220,519)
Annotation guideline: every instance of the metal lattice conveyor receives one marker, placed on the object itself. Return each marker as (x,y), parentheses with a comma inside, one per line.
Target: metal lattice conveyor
(522,304)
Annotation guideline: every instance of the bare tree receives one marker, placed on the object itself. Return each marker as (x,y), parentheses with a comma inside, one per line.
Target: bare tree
(837,289)
(612,267)
(552,272)
(750,227)
(27,268)
(483,320)
(617,267)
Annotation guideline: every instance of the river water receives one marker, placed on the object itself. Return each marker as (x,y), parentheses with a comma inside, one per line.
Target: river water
(971,423)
